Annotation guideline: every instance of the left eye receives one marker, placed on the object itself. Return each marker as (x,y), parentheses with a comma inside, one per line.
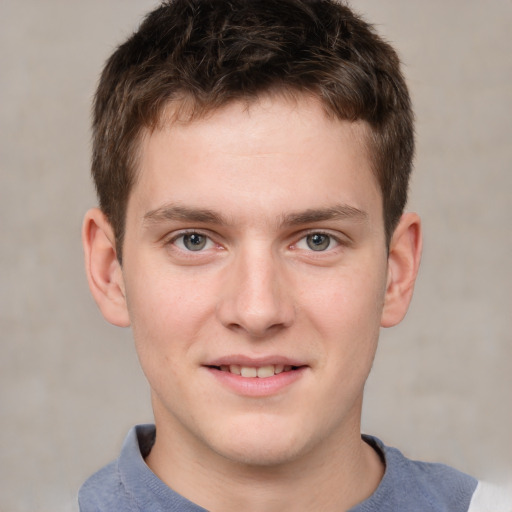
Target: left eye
(316,242)
(193,242)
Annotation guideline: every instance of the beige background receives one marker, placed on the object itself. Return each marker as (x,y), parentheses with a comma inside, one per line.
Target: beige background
(70,383)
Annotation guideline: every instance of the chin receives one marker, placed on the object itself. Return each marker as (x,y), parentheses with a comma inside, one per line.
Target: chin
(261,454)
(266,446)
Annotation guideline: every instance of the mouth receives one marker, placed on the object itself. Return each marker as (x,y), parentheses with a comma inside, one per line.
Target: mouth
(260,372)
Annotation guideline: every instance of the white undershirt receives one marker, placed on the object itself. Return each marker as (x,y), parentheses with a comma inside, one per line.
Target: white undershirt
(491,498)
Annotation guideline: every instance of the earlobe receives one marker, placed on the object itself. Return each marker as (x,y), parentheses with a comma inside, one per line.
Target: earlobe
(403,264)
(104,272)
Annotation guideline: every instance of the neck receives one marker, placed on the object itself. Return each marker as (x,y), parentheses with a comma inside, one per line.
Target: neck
(338,474)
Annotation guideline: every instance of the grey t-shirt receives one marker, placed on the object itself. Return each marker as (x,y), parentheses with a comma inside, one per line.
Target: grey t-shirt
(128,485)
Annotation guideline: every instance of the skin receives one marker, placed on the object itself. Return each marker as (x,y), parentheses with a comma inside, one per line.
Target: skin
(257,182)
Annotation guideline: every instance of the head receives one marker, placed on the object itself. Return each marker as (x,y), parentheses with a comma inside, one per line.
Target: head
(192,57)
(251,159)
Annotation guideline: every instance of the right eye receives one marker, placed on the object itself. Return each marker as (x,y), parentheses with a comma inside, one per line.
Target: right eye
(193,242)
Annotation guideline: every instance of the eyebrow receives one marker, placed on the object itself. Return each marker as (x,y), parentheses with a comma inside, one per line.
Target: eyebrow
(172,212)
(338,212)
(183,213)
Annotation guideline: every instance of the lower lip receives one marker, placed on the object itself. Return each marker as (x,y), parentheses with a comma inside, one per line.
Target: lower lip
(255,386)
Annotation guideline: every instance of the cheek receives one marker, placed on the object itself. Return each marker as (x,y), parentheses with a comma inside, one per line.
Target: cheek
(165,323)
(350,301)
(167,312)
(347,318)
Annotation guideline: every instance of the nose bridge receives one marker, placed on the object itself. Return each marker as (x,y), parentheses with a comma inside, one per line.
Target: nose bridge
(255,298)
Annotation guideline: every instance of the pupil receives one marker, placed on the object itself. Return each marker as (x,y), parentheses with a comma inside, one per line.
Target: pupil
(194,242)
(318,242)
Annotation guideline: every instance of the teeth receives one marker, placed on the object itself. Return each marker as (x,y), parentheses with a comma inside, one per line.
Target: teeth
(265,371)
(234,368)
(262,372)
(247,371)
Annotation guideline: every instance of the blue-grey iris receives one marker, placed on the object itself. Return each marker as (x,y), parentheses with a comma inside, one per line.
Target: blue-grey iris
(194,241)
(318,241)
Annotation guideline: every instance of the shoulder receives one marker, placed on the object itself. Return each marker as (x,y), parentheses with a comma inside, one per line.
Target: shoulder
(111,488)
(104,491)
(414,485)
(436,482)
(128,485)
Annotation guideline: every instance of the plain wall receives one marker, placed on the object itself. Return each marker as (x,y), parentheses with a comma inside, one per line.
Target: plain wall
(70,383)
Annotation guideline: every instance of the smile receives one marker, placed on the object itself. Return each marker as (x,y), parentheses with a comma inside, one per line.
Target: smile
(261,372)
(256,378)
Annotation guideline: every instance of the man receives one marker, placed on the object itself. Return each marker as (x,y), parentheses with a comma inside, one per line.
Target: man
(252,162)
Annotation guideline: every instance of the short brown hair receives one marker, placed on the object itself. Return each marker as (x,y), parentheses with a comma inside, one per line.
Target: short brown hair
(206,53)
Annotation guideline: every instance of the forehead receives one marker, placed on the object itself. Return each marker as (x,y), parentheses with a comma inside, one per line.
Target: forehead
(272,155)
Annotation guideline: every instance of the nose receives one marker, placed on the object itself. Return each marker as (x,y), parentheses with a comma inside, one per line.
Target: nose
(256,297)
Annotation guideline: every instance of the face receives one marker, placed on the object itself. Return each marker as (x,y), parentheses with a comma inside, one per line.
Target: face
(254,273)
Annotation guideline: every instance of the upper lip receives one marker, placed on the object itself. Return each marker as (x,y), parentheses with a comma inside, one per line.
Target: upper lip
(256,362)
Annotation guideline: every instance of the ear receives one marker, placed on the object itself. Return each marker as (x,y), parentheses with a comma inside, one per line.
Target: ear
(403,263)
(103,269)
